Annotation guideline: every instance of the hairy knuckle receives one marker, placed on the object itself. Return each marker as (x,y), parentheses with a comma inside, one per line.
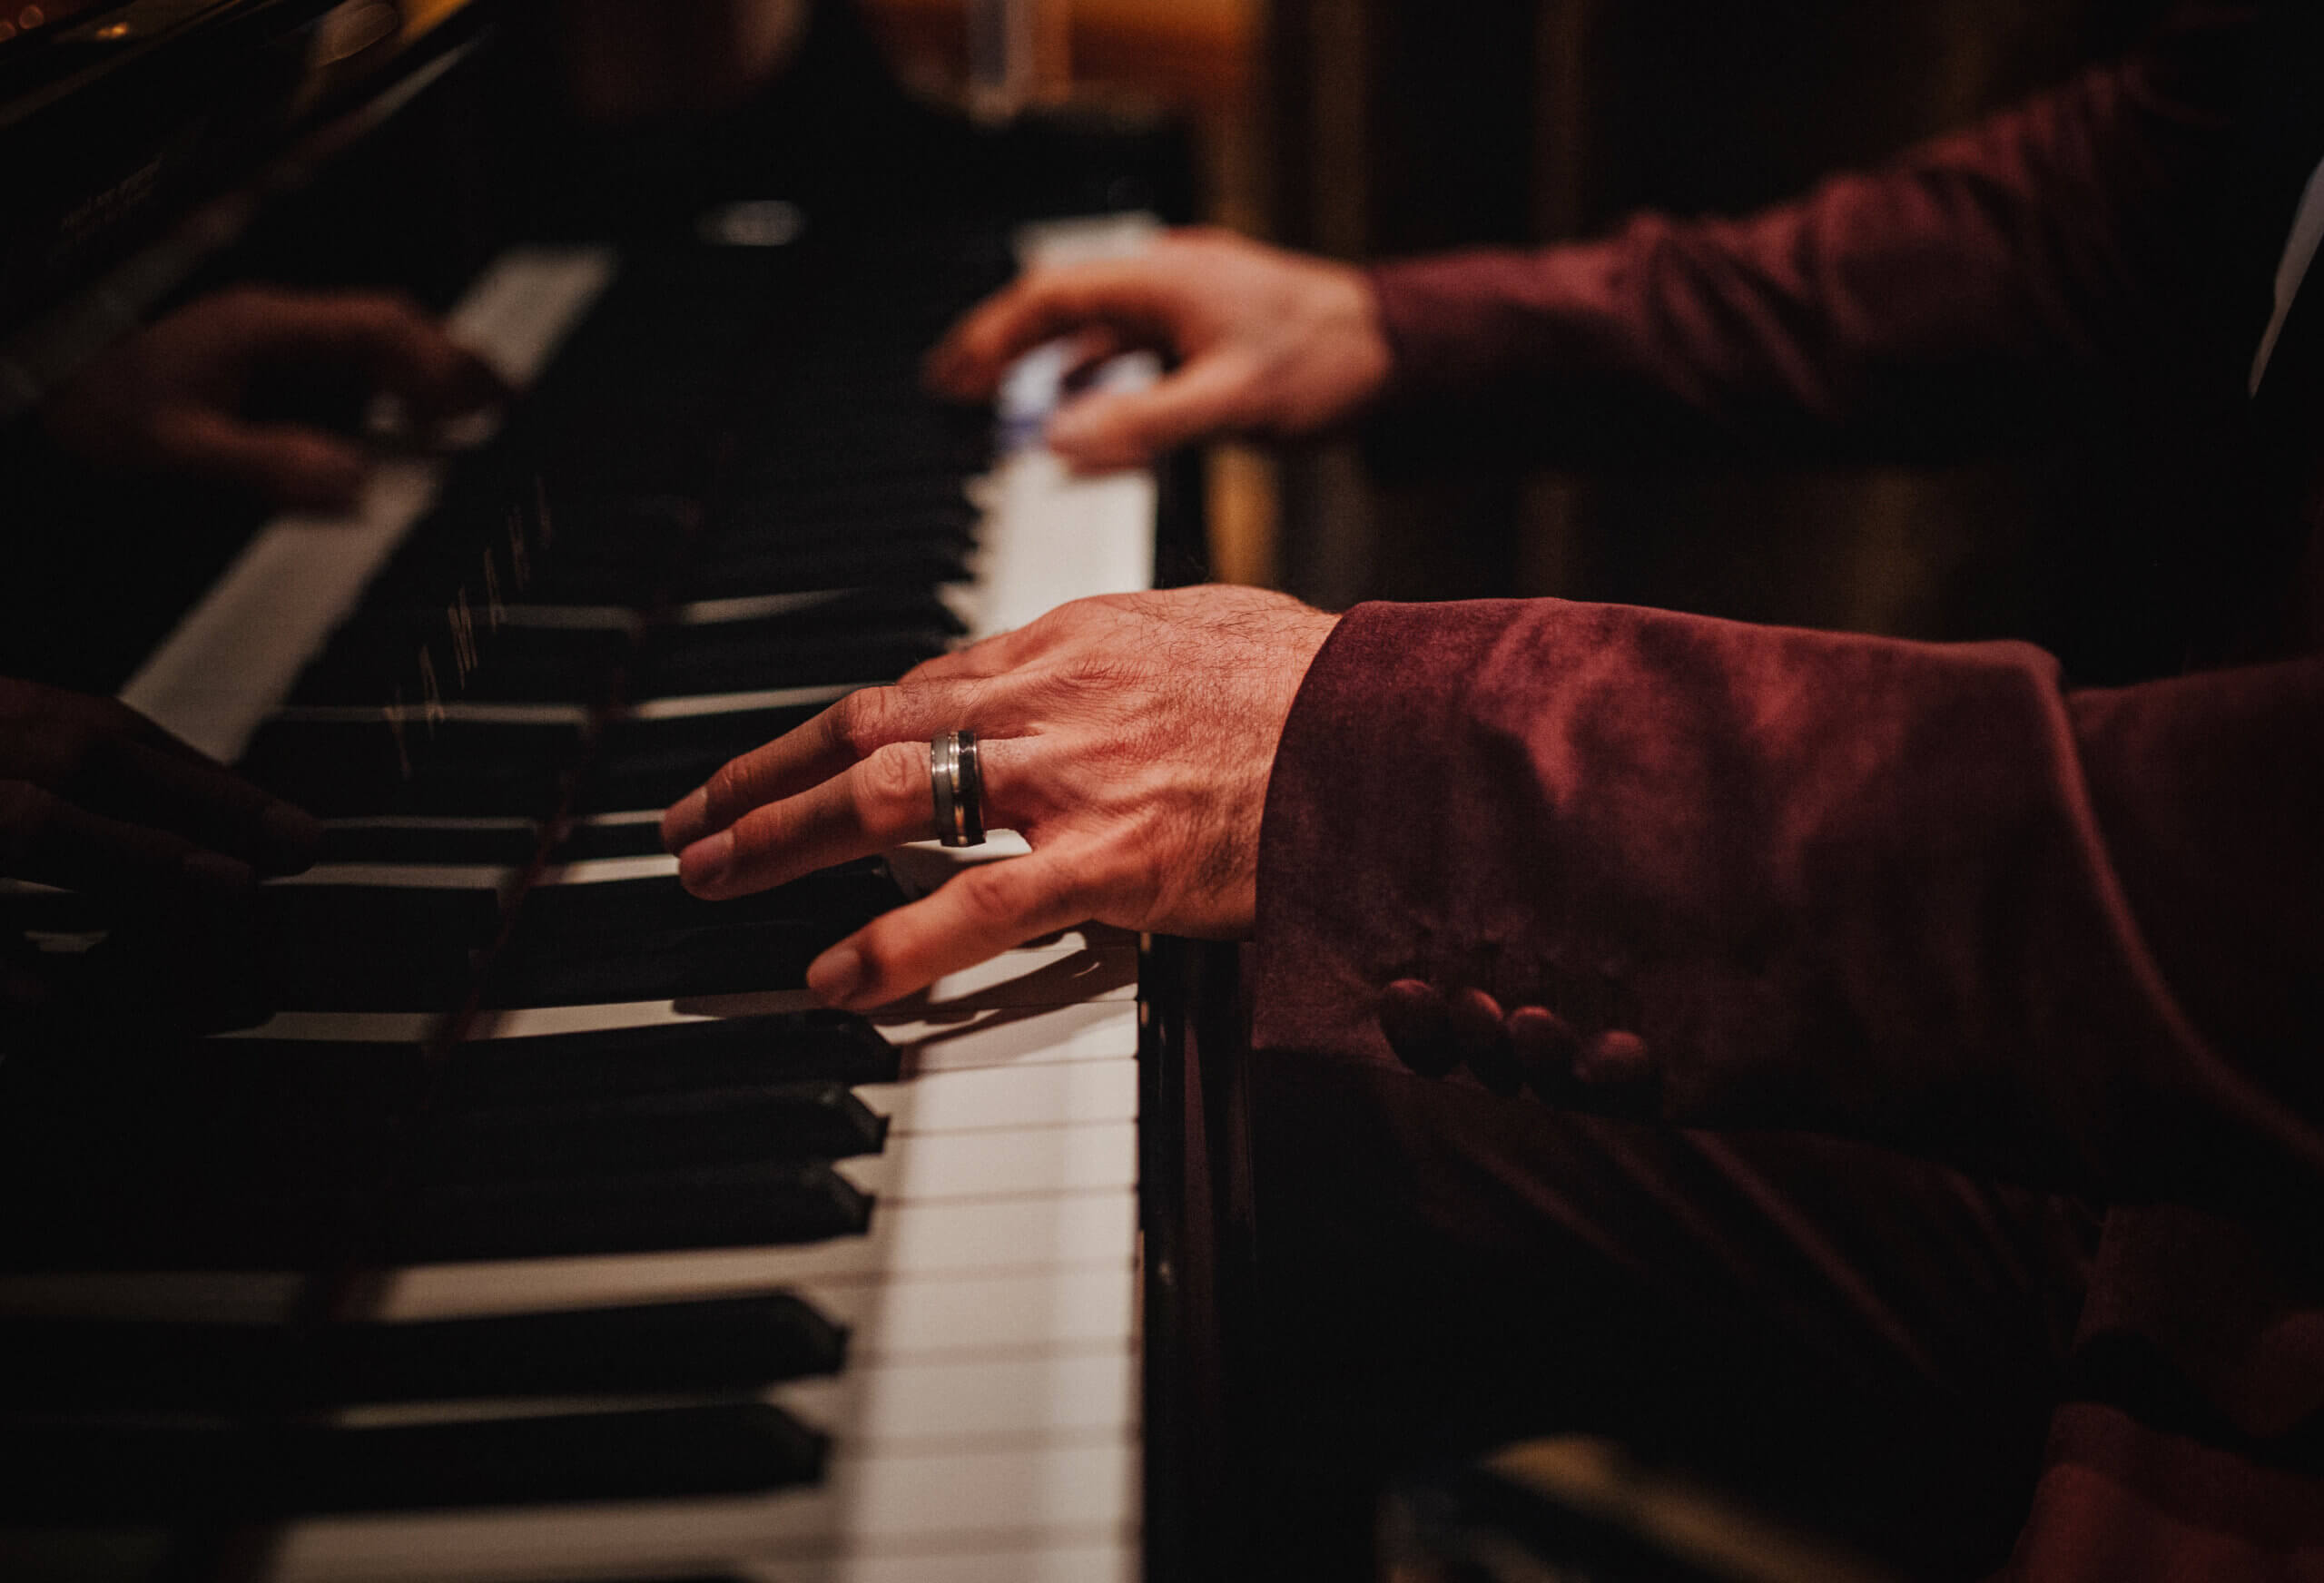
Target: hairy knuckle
(859,721)
(892,779)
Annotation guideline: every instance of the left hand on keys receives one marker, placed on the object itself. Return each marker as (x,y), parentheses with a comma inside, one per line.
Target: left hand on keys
(175,396)
(1127,738)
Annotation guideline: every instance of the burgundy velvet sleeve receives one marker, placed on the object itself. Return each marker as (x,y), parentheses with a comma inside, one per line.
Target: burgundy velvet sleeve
(1907,892)
(1975,288)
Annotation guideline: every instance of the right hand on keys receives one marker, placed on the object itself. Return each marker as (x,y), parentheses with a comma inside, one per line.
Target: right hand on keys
(95,797)
(1127,738)
(1267,342)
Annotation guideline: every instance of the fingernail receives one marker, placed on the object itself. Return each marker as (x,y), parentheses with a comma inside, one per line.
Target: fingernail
(216,874)
(291,837)
(835,976)
(689,812)
(706,860)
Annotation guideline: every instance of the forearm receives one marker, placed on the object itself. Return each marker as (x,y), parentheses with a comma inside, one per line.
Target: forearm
(1963,296)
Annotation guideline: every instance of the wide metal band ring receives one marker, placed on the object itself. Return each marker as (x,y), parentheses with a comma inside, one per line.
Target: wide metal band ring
(958,782)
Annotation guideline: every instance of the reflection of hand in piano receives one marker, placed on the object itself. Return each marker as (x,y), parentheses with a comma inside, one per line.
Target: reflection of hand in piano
(519,1075)
(179,397)
(1127,738)
(96,798)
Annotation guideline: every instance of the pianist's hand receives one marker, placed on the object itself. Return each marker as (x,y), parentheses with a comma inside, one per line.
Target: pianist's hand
(177,397)
(1266,342)
(1129,739)
(95,797)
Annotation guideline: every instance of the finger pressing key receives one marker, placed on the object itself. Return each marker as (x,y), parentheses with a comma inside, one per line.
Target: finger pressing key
(851,731)
(973,918)
(46,839)
(200,800)
(881,802)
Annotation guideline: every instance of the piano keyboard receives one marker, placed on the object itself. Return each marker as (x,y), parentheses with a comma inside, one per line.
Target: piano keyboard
(842,1301)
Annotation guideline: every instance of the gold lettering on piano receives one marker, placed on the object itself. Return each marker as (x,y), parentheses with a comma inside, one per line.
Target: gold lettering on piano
(394,712)
(463,624)
(520,562)
(431,695)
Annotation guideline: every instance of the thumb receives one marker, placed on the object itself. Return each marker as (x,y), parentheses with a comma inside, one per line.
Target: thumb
(1128,429)
(294,467)
(397,344)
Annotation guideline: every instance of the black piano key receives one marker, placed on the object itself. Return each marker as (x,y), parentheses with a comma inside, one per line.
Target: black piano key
(814,1120)
(651,764)
(672,1058)
(590,838)
(79,1224)
(921,562)
(720,1344)
(633,908)
(146,1084)
(514,665)
(131,1471)
(499,846)
(662,964)
(806,513)
(754,1205)
(361,947)
(726,660)
(723,1343)
(454,767)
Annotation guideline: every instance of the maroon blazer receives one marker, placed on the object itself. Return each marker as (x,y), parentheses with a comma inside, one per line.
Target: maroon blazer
(1925,895)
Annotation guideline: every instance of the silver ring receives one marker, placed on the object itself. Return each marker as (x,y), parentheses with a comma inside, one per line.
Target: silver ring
(957,780)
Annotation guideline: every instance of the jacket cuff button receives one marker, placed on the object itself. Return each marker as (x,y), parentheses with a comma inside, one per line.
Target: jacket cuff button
(1419,1027)
(1614,1059)
(1543,1046)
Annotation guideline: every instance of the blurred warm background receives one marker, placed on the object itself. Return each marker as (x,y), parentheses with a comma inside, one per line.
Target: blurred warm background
(1368,128)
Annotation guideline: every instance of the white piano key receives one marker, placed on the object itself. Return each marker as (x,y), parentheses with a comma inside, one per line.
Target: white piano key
(609,870)
(1059,1561)
(983,1098)
(190,1296)
(1096,1030)
(390,1027)
(445,821)
(1001,1162)
(571,617)
(753,607)
(1056,1560)
(888,1406)
(457,709)
(939,1316)
(906,1242)
(1085,996)
(405,876)
(519,310)
(699,704)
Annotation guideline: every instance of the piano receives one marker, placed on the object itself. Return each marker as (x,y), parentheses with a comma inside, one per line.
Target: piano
(526,1220)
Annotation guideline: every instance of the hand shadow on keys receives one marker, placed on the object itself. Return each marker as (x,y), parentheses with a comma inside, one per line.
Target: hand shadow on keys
(1106,964)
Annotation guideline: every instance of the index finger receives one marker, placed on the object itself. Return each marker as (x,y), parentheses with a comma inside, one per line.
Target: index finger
(400,345)
(197,798)
(1130,295)
(851,730)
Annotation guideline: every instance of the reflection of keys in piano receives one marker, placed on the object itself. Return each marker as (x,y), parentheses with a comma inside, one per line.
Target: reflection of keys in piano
(666,1273)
